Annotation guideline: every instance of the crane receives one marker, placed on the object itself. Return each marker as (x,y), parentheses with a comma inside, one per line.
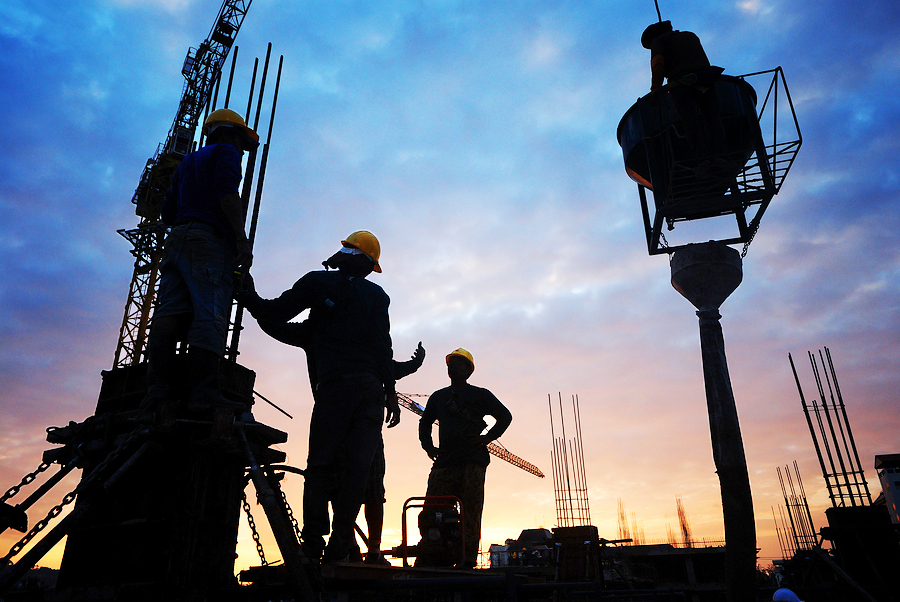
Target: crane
(202,68)
(493,447)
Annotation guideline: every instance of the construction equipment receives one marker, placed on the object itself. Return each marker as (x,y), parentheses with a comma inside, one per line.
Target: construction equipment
(761,146)
(494,447)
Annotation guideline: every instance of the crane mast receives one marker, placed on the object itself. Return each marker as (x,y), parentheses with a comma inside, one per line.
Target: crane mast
(202,69)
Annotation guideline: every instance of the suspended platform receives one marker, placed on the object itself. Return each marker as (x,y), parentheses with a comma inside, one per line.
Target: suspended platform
(690,181)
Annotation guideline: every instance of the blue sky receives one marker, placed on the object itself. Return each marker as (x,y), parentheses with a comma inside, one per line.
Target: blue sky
(477,141)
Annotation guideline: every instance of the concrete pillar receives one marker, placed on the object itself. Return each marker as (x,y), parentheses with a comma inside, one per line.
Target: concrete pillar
(706,274)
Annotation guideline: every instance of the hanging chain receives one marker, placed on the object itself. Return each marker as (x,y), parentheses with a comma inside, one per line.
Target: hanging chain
(753,232)
(252,523)
(68,498)
(290,514)
(27,479)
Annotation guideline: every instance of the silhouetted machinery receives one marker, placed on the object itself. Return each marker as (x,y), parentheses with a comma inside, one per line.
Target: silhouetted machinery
(690,178)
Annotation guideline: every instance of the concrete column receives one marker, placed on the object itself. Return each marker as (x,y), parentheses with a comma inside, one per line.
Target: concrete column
(706,274)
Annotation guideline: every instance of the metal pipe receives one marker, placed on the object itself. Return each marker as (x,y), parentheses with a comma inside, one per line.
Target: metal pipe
(252,88)
(834,439)
(855,468)
(254,219)
(231,77)
(812,431)
(844,412)
(262,86)
(562,420)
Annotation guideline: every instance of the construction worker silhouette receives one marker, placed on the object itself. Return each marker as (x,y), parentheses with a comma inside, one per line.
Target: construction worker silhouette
(678,58)
(204,247)
(461,459)
(299,334)
(352,352)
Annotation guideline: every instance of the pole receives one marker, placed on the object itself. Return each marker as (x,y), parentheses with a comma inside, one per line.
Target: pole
(706,274)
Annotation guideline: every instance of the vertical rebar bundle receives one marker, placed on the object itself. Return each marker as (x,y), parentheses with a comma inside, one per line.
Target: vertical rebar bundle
(832,437)
(569,478)
(683,522)
(795,529)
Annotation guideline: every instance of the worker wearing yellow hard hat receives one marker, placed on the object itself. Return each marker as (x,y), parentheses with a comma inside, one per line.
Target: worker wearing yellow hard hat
(463,354)
(226,118)
(461,459)
(355,389)
(206,244)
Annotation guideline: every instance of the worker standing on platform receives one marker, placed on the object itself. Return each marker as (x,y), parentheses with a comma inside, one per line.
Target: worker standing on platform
(299,334)
(351,345)
(679,58)
(461,460)
(205,246)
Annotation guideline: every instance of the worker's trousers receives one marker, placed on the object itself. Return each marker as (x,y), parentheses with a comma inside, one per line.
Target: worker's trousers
(467,483)
(344,434)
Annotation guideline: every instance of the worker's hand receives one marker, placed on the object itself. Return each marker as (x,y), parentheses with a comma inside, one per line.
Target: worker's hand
(393,410)
(432,451)
(243,282)
(419,354)
(480,440)
(244,258)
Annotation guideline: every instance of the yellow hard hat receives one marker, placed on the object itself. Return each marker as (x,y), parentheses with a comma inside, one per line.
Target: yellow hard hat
(463,354)
(366,242)
(231,119)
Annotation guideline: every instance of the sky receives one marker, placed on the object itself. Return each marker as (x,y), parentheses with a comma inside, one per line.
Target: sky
(477,141)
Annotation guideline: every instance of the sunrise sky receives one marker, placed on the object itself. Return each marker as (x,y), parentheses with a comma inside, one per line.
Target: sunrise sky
(477,140)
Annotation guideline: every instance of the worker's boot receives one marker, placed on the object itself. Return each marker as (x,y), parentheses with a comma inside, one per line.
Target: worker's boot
(160,359)
(203,370)
(159,406)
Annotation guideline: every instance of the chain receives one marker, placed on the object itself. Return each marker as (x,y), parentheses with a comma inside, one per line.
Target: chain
(68,498)
(753,232)
(27,479)
(662,237)
(290,514)
(252,523)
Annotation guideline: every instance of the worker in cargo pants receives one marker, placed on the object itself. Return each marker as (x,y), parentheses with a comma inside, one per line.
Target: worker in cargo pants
(461,460)
(206,245)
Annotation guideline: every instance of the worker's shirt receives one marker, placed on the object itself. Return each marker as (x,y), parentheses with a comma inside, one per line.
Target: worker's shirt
(299,334)
(201,180)
(461,413)
(681,52)
(348,322)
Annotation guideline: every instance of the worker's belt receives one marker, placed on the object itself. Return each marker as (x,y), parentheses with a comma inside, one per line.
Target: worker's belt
(347,376)
(200,226)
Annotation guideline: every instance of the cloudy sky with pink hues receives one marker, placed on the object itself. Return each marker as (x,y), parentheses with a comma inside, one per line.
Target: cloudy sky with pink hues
(477,140)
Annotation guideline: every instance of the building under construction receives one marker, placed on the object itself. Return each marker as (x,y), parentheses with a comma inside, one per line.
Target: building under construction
(155,515)
(863,534)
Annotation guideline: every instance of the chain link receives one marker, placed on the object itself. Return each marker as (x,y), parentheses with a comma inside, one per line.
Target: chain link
(753,232)
(252,523)
(69,497)
(27,479)
(290,514)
